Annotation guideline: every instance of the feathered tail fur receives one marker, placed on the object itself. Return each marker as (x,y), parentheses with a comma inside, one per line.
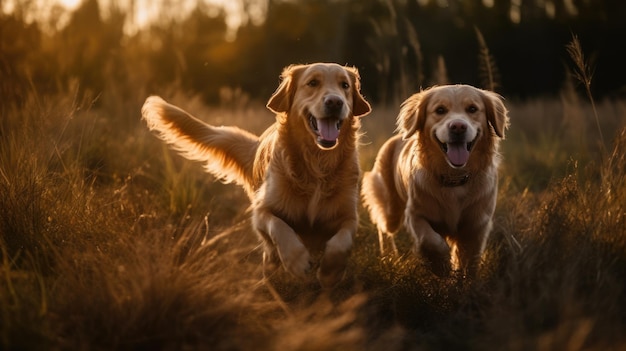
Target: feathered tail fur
(227,152)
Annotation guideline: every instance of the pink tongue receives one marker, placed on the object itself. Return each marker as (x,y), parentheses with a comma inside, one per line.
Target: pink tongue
(458,154)
(328,128)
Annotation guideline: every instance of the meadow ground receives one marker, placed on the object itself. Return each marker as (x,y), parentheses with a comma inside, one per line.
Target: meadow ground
(111,241)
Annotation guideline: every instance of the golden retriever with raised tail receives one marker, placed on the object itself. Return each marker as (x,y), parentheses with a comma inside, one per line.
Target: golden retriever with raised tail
(301,174)
(439,176)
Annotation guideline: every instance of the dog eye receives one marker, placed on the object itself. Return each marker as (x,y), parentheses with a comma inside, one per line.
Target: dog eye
(441,110)
(472,109)
(345,85)
(313,83)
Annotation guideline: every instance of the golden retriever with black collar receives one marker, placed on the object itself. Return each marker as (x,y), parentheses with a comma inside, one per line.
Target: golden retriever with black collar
(439,176)
(301,174)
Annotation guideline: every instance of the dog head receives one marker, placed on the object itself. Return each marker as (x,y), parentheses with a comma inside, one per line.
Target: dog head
(455,117)
(323,96)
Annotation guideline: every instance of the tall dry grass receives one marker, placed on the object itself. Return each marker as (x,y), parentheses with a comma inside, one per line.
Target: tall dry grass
(108,240)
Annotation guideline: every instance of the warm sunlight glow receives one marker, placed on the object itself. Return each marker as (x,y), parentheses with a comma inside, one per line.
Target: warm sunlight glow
(70,4)
(144,12)
(141,13)
(515,14)
(550,9)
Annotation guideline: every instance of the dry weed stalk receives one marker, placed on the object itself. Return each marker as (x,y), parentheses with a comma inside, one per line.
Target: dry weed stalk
(583,72)
(490,75)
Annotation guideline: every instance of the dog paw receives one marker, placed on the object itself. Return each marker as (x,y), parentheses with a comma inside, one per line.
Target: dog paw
(297,260)
(436,254)
(332,270)
(438,262)
(440,266)
(333,265)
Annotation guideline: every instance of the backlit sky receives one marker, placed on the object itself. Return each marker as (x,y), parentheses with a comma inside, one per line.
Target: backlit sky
(140,12)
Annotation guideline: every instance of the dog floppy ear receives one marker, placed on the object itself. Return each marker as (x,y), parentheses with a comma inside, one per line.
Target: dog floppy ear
(412,116)
(497,114)
(360,107)
(283,96)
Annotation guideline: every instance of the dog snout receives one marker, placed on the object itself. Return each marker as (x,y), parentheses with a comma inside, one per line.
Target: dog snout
(333,104)
(457,127)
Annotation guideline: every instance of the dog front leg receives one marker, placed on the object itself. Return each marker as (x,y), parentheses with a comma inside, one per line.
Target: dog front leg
(429,245)
(335,259)
(291,251)
(470,247)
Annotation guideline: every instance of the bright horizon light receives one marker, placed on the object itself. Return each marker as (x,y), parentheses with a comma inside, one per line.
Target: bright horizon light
(140,13)
(70,4)
(143,12)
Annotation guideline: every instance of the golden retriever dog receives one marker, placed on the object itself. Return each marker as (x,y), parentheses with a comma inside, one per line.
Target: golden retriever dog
(301,174)
(439,175)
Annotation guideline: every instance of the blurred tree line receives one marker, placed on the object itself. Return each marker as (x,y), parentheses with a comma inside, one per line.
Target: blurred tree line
(398,46)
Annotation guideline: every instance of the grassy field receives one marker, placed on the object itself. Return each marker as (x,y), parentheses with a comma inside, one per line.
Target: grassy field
(111,241)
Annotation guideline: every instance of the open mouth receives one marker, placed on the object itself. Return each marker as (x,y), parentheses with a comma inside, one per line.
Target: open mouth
(457,152)
(326,129)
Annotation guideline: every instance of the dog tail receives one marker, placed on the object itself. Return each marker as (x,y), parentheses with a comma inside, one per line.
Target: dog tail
(227,152)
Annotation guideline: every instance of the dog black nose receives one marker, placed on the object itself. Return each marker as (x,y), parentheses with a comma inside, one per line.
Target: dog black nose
(457,127)
(333,103)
